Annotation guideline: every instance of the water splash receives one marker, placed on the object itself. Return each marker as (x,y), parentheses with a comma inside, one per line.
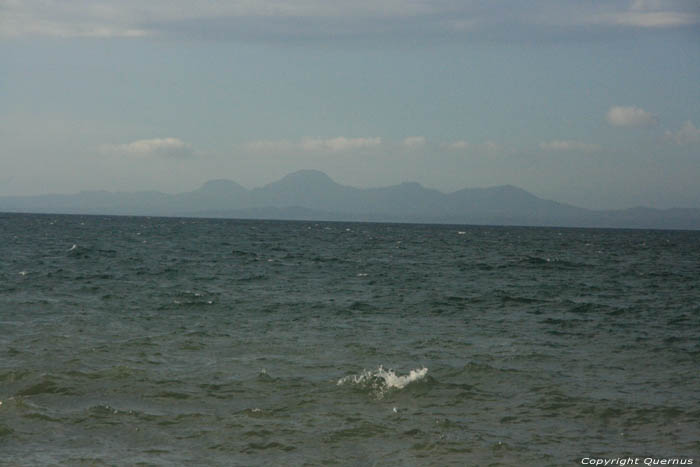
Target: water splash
(380,380)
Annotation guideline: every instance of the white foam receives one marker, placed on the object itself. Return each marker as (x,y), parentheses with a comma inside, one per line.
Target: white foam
(73,247)
(381,380)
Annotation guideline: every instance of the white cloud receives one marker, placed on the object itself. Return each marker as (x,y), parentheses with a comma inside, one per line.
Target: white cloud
(282,19)
(492,146)
(457,145)
(270,146)
(129,18)
(76,18)
(156,147)
(338,144)
(655,19)
(687,134)
(629,116)
(649,14)
(414,141)
(568,145)
(489,148)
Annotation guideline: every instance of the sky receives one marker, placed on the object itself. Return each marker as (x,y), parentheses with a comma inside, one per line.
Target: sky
(593,103)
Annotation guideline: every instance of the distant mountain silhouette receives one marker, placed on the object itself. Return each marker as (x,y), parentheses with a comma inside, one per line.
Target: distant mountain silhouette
(313,195)
(214,194)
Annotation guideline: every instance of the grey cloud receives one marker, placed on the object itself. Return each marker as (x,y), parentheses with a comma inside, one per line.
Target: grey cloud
(307,20)
(448,21)
(568,145)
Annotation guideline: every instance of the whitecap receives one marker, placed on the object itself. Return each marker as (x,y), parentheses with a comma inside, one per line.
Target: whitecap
(73,247)
(381,380)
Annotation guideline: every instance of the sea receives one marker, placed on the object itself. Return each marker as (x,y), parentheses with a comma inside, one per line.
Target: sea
(176,341)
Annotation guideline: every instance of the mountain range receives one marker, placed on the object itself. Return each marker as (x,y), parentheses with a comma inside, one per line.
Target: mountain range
(312,195)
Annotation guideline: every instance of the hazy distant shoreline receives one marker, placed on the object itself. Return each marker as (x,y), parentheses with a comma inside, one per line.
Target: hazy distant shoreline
(312,195)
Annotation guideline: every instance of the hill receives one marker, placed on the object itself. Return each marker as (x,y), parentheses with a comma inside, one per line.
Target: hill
(310,194)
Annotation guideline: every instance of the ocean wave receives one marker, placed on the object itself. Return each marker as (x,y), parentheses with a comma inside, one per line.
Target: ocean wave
(553,262)
(379,381)
(47,385)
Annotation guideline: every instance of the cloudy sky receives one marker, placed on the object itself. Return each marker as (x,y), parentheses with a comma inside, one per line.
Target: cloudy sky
(595,103)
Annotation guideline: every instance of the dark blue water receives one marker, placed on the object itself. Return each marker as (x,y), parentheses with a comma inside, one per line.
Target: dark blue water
(224,342)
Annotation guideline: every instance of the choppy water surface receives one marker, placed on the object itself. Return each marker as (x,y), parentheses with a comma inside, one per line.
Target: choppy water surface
(222,342)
